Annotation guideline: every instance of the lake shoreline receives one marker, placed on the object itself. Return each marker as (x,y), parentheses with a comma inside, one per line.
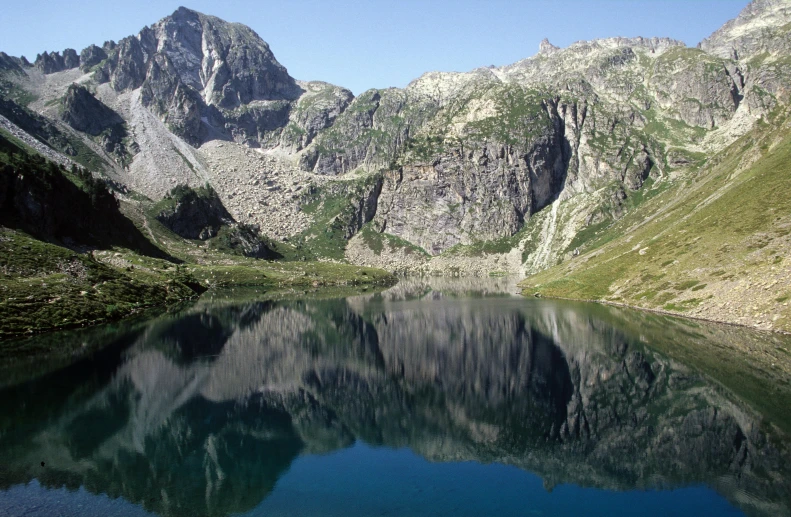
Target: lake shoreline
(656,311)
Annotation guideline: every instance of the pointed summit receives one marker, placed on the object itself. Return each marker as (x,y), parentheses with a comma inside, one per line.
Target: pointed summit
(182,11)
(545,47)
(226,64)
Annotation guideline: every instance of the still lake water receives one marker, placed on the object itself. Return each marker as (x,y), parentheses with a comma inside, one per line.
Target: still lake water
(439,398)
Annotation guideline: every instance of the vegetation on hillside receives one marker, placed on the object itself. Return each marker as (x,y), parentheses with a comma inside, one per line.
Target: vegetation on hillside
(72,256)
(338,210)
(720,233)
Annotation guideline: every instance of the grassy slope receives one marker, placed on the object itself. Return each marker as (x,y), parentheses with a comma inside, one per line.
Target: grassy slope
(45,286)
(716,244)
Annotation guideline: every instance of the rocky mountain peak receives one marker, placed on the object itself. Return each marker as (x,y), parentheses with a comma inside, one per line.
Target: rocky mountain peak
(759,28)
(184,11)
(545,47)
(11,63)
(55,62)
(227,62)
(191,69)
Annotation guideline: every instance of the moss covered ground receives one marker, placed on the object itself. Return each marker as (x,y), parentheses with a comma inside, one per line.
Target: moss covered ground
(46,287)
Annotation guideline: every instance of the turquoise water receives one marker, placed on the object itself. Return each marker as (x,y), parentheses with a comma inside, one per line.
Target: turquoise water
(401,483)
(422,400)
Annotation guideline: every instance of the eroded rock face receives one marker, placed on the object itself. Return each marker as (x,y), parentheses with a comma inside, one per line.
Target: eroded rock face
(70,59)
(189,65)
(484,182)
(49,63)
(701,88)
(179,106)
(316,110)
(84,112)
(236,66)
(438,206)
(53,62)
(759,28)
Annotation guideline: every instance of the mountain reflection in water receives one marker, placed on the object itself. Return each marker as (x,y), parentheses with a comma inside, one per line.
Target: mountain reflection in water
(204,411)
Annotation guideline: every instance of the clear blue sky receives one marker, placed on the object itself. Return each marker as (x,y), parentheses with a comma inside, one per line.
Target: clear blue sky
(376,43)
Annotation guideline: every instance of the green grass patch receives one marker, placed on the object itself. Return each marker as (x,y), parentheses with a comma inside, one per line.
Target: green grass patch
(337,216)
(693,221)
(47,287)
(307,274)
(376,241)
(682,306)
(683,286)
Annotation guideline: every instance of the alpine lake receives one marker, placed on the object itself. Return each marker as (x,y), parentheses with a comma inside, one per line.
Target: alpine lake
(433,397)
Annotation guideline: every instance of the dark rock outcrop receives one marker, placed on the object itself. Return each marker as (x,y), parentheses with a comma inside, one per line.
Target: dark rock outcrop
(11,64)
(242,239)
(179,106)
(38,126)
(84,112)
(51,62)
(126,69)
(199,214)
(70,59)
(91,56)
(194,213)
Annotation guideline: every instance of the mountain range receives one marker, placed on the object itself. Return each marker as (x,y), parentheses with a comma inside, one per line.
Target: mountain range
(638,171)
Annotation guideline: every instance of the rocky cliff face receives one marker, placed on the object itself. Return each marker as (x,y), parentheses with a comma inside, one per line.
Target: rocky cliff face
(191,66)
(759,28)
(471,157)
(578,134)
